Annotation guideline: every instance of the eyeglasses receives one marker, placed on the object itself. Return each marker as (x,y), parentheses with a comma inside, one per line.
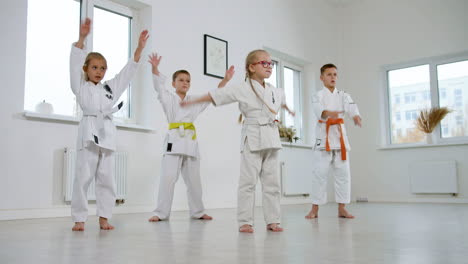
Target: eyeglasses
(266,64)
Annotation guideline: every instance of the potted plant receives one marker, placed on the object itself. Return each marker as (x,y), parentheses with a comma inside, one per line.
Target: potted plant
(287,134)
(428,120)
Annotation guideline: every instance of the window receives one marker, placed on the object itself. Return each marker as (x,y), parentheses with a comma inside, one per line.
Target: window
(411,82)
(443,93)
(289,77)
(445,130)
(110,35)
(116,43)
(410,98)
(411,115)
(397,99)
(47,76)
(447,78)
(453,77)
(398,116)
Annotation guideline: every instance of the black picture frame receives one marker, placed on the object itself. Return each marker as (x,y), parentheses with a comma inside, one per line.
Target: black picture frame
(215,56)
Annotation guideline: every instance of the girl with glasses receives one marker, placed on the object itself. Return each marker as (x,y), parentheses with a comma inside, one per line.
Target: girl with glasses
(259,103)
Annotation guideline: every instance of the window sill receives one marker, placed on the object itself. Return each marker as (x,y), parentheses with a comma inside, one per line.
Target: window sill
(296,145)
(422,145)
(75,120)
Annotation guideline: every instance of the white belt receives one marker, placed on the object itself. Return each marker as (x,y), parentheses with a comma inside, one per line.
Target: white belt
(101,115)
(261,121)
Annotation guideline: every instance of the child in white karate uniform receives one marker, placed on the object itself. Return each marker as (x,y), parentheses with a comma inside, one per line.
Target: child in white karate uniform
(96,131)
(330,106)
(259,103)
(181,154)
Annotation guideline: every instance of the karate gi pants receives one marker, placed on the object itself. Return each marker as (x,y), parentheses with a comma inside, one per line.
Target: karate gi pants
(330,163)
(261,164)
(93,162)
(172,166)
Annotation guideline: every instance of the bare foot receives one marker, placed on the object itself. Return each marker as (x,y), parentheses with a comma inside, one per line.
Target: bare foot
(154,219)
(246,229)
(274,228)
(205,217)
(345,214)
(313,212)
(312,215)
(104,224)
(79,226)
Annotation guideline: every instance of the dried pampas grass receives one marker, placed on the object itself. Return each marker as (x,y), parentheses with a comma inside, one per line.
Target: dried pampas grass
(429,118)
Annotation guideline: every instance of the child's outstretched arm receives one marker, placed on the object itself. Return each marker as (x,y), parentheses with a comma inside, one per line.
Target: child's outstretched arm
(159,79)
(284,106)
(203,99)
(85,28)
(227,77)
(154,60)
(141,45)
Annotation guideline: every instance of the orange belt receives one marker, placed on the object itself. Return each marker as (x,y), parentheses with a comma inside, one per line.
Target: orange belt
(331,122)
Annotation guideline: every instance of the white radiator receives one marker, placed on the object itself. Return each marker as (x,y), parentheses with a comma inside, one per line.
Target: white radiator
(434,177)
(69,161)
(296,166)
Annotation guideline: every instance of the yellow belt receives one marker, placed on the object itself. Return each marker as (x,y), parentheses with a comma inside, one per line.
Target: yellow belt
(189,126)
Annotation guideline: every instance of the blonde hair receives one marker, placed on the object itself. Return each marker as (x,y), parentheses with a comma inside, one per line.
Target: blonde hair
(251,58)
(92,56)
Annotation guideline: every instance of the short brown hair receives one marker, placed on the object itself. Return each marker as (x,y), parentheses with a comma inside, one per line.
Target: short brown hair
(327,66)
(174,76)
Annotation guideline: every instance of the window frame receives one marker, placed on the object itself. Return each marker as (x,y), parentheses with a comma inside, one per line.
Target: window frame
(386,117)
(298,119)
(87,10)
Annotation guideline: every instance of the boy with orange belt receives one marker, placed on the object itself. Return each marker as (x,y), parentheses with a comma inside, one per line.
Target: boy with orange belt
(330,106)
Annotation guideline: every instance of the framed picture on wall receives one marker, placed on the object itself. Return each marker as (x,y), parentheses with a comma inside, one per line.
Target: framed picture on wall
(215,56)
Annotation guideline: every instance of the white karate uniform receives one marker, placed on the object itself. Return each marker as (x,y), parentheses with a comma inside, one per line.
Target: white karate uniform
(181,154)
(260,143)
(96,135)
(331,161)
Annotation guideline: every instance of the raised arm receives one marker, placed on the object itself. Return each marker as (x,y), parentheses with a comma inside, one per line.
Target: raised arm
(285,106)
(203,99)
(85,28)
(155,60)
(159,79)
(227,77)
(78,57)
(141,45)
(120,82)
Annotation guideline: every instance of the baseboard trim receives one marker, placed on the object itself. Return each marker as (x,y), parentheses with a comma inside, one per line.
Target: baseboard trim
(15,214)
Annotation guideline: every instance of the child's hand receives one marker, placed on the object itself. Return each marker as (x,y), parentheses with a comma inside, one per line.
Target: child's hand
(357,120)
(154,60)
(141,45)
(85,28)
(144,35)
(229,73)
(292,113)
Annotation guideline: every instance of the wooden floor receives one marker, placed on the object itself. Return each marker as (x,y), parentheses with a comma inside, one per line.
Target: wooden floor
(381,233)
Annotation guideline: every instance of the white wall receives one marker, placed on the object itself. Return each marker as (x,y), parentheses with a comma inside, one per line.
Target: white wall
(376,33)
(31,160)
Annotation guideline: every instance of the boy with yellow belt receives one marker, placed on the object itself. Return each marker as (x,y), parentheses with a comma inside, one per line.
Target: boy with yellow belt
(181,154)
